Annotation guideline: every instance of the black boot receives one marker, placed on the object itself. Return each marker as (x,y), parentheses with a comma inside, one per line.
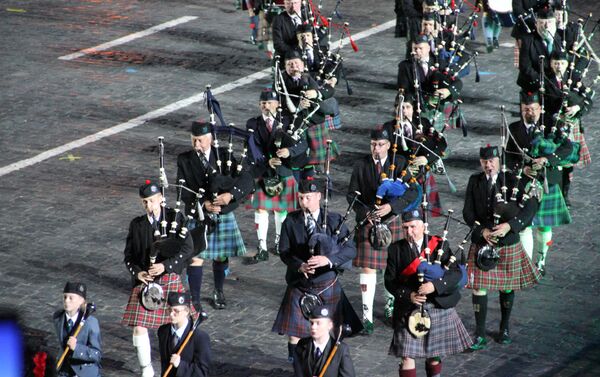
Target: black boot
(506,304)
(480,309)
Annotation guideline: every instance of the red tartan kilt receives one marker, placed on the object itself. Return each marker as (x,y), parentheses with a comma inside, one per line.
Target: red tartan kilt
(369,257)
(585,157)
(286,201)
(136,315)
(514,270)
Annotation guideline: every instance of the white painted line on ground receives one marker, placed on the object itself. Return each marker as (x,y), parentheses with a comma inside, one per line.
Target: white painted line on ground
(132,123)
(128,38)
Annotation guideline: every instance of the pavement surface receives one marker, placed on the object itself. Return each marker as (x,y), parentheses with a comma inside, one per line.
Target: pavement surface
(65,213)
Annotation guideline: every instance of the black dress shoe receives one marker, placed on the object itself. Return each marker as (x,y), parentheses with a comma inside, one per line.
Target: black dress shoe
(496,43)
(219,299)
(504,337)
(542,269)
(201,313)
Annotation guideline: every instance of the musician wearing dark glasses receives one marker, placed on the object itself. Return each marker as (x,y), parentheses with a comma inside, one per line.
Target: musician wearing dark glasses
(498,205)
(314,256)
(78,333)
(154,267)
(214,170)
(183,346)
(275,158)
(426,284)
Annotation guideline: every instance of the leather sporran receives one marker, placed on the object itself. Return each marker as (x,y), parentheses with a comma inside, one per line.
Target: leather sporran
(151,296)
(273,185)
(308,302)
(487,258)
(419,322)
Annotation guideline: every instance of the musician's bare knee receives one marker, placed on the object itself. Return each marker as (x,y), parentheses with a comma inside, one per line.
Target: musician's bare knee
(407,363)
(293,340)
(197,261)
(479,292)
(139,330)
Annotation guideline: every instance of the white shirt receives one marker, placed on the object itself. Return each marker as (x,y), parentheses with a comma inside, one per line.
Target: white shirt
(179,331)
(319,346)
(419,244)
(206,154)
(315,216)
(383,160)
(494,178)
(73,319)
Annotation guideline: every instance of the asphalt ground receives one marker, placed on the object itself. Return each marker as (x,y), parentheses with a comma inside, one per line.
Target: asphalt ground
(65,213)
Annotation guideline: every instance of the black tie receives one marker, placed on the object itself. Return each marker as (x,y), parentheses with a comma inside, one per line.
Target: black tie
(318,353)
(69,326)
(175,340)
(311,224)
(490,187)
(203,160)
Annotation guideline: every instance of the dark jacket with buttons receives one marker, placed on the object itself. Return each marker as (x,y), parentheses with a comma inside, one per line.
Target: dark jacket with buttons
(195,357)
(139,244)
(400,255)
(480,206)
(190,168)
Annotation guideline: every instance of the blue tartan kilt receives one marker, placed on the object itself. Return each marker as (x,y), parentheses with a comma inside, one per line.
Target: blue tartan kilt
(226,241)
(447,336)
(553,210)
(290,320)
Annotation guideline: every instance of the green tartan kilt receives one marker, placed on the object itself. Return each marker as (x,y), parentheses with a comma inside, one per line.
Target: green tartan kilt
(553,210)
(317,136)
(225,241)
(446,116)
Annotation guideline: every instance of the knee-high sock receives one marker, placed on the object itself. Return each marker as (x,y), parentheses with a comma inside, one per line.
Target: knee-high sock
(546,242)
(526,236)
(279,217)
(219,273)
(261,221)
(367,285)
(291,349)
(407,372)
(195,279)
(480,309)
(142,348)
(433,370)
(506,303)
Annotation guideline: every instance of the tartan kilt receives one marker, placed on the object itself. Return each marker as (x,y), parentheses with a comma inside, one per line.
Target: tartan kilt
(286,201)
(290,320)
(553,210)
(333,122)
(447,336)
(434,204)
(317,136)
(226,241)
(446,117)
(366,255)
(514,270)
(585,157)
(137,315)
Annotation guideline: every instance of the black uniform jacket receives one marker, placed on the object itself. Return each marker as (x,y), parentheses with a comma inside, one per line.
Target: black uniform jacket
(139,244)
(400,256)
(294,250)
(195,358)
(554,96)
(515,160)
(406,79)
(306,365)
(190,168)
(284,35)
(365,180)
(265,141)
(305,82)
(532,46)
(479,206)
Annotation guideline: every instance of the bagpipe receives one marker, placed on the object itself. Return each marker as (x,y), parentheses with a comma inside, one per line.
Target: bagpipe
(330,63)
(429,269)
(168,243)
(380,235)
(226,175)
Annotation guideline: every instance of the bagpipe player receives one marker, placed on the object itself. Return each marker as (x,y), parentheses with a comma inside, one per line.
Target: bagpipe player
(438,295)
(155,267)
